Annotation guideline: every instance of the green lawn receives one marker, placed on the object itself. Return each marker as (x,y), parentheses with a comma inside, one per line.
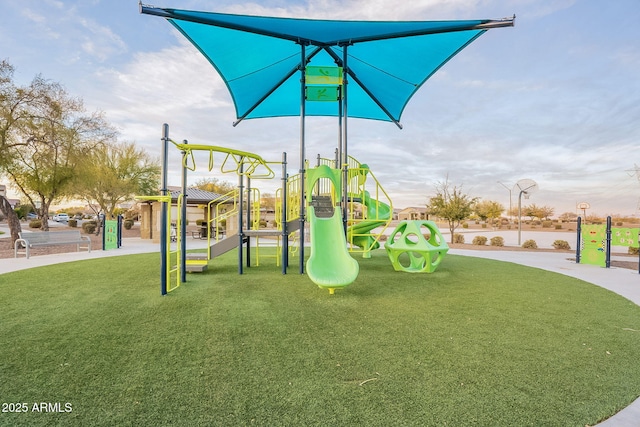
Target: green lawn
(477,343)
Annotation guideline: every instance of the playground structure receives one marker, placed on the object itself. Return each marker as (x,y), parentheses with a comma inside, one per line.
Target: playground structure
(594,242)
(330,264)
(301,67)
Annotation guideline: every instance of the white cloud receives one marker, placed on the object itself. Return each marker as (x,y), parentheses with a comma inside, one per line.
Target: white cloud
(549,100)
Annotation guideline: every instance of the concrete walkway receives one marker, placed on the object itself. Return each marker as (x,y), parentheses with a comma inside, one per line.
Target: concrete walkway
(624,282)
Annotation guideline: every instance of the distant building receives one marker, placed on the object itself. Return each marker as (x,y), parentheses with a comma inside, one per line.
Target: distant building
(412,214)
(197,202)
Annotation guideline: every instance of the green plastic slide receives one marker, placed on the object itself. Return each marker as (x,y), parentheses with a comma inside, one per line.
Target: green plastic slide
(330,265)
(381,212)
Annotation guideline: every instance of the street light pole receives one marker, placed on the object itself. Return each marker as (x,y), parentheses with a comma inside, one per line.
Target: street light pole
(509,190)
(524,191)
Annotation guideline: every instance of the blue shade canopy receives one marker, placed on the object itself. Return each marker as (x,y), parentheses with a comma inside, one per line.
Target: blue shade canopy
(259,58)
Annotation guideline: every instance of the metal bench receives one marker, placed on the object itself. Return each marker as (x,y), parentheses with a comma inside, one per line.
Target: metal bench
(47,238)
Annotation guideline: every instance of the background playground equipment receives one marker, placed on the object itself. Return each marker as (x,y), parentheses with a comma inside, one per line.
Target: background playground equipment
(111,233)
(594,242)
(418,242)
(366,216)
(174,260)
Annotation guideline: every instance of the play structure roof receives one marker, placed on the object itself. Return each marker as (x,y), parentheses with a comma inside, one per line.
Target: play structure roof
(259,58)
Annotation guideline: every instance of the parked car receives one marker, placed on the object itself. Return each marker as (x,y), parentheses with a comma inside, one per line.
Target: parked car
(60,217)
(31,216)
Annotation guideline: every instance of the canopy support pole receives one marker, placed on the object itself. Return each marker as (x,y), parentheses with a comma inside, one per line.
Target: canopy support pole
(303,63)
(345,155)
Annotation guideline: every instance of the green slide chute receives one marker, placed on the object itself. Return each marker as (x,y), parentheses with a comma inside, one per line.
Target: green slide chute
(330,265)
(378,214)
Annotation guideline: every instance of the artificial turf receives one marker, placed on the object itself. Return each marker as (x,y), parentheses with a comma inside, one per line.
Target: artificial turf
(477,343)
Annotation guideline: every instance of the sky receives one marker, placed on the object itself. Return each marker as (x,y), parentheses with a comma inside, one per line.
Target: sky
(554,99)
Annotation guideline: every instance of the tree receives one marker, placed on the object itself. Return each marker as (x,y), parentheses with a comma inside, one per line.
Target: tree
(568,216)
(535,211)
(532,211)
(114,173)
(546,212)
(452,204)
(488,210)
(268,201)
(214,185)
(56,135)
(16,105)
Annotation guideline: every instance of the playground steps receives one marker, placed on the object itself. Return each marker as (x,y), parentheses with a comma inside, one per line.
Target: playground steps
(196,262)
(323,206)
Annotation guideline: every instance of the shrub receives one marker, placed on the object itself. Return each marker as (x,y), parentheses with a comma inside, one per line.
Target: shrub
(72,223)
(530,244)
(465,225)
(558,226)
(561,244)
(484,225)
(199,222)
(547,224)
(458,238)
(479,240)
(633,251)
(89,227)
(619,224)
(497,241)
(262,223)
(127,224)
(35,223)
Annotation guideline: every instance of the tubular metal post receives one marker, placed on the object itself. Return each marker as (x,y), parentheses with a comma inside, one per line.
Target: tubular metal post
(248,240)
(119,231)
(638,237)
(579,229)
(240,208)
(303,111)
(345,155)
(183,223)
(164,212)
(283,219)
(607,263)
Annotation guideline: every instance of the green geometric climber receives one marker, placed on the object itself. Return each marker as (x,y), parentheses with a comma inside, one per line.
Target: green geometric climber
(416,247)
